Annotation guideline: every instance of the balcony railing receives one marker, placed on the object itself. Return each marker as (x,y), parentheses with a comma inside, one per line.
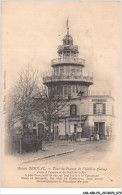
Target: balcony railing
(86,78)
(78,61)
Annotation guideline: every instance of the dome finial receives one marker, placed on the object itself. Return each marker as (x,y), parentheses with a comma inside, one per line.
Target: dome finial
(67,26)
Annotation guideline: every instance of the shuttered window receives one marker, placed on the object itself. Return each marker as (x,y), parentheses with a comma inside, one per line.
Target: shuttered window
(99,108)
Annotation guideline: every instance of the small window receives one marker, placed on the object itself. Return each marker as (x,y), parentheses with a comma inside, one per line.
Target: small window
(73,110)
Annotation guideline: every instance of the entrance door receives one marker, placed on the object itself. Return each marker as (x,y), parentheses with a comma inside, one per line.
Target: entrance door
(40,130)
(99,128)
(96,127)
(75,128)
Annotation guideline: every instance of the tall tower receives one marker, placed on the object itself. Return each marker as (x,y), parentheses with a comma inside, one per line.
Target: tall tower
(86,113)
(67,78)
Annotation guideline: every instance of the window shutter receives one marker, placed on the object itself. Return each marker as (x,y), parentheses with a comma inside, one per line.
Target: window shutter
(75,110)
(70,109)
(104,108)
(94,108)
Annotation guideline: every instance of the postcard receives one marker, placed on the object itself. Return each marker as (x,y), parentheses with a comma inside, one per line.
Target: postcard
(60,94)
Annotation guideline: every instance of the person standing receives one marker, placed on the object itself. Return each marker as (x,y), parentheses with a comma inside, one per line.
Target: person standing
(97,137)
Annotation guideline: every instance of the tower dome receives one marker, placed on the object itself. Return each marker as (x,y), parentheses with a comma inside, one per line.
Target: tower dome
(67,49)
(68,40)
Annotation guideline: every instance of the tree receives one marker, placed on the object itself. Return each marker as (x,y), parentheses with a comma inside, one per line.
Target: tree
(30,98)
(22,97)
(50,106)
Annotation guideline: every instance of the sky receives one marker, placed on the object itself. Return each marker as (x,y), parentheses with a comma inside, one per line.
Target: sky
(32,31)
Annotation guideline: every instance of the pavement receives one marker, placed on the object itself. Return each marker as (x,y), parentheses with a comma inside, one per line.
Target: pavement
(54,149)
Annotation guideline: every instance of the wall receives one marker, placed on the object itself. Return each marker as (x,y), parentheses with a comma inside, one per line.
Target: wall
(84,106)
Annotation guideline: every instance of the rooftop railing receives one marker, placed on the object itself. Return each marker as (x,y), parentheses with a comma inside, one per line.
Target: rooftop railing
(69,60)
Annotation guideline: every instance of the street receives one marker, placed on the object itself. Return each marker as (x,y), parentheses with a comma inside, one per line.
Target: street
(83,152)
(60,159)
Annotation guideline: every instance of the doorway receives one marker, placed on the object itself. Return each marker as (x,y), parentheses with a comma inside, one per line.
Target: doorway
(75,128)
(99,127)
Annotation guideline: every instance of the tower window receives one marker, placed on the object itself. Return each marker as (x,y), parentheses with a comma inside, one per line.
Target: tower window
(65,90)
(67,69)
(67,53)
(73,88)
(73,110)
(73,70)
(61,69)
(56,70)
(69,90)
(68,42)
(59,90)
(78,69)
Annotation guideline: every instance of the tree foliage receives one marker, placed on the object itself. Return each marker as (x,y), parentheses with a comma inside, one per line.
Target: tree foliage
(50,106)
(22,94)
(29,98)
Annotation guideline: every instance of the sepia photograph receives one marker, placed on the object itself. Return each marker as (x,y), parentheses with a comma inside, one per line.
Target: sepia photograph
(60,94)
